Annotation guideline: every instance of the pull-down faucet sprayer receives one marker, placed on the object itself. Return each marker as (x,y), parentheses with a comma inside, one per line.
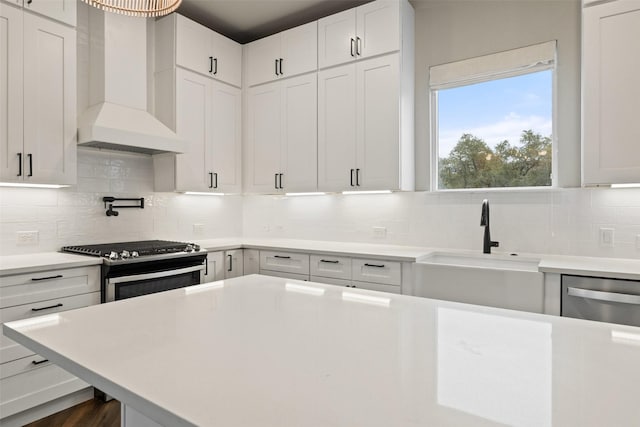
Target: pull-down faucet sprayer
(487,243)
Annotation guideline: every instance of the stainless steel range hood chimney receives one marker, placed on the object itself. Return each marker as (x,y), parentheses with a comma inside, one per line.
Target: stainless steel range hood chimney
(117,117)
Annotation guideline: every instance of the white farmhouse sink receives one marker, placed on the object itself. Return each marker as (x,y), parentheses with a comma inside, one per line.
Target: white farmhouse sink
(494,280)
(494,261)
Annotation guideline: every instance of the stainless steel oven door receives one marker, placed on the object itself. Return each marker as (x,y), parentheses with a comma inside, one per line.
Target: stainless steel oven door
(123,287)
(605,300)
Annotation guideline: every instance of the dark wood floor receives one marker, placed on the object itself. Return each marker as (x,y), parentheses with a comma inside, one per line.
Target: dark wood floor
(93,413)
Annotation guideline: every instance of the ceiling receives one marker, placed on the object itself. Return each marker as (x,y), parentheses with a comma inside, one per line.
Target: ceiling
(248,20)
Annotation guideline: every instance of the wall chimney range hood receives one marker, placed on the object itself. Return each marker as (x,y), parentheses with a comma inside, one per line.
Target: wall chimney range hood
(117,117)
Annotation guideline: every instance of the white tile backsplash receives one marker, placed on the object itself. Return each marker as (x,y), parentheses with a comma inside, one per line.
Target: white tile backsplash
(553,221)
(77,215)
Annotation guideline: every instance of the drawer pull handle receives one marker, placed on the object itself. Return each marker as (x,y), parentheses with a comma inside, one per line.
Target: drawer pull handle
(35,279)
(374,265)
(282,257)
(39,361)
(329,261)
(47,308)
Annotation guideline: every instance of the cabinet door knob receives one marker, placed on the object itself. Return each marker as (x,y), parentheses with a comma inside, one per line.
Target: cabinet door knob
(352,177)
(277,67)
(358,177)
(210,179)
(33,362)
(281,187)
(19,164)
(353,45)
(210,64)
(230,263)
(215,175)
(30,156)
(358,41)
(215,66)
(281,73)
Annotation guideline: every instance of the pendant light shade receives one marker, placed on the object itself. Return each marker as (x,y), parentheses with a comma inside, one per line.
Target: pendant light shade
(141,8)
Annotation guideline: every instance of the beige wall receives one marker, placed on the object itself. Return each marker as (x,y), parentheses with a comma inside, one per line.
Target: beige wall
(453,30)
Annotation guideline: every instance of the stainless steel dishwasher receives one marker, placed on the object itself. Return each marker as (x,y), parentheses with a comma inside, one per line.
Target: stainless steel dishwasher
(601,299)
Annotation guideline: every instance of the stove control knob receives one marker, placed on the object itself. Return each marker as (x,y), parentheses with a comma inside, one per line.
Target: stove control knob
(135,254)
(195,247)
(125,254)
(189,248)
(113,255)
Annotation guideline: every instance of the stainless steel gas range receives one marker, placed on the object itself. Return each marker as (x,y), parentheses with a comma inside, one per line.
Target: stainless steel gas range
(131,269)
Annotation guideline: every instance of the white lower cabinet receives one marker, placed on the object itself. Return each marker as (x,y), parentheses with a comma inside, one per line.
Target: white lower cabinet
(251,261)
(303,277)
(233,263)
(284,262)
(26,379)
(224,265)
(375,275)
(215,267)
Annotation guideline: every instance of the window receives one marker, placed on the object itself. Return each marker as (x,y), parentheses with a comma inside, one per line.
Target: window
(493,120)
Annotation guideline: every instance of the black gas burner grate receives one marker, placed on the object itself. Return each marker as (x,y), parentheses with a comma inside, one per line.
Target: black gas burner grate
(143,247)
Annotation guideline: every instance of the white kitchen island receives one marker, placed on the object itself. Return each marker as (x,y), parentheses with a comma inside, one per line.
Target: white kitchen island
(265,351)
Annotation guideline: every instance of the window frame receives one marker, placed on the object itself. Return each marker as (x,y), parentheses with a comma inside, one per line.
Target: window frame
(516,71)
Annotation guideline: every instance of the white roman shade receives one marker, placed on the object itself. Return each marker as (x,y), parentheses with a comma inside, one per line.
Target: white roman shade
(502,64)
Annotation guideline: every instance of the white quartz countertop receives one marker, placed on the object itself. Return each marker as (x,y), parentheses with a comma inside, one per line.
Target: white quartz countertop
(588,266)
(368,250)
(265,351)
(32,263)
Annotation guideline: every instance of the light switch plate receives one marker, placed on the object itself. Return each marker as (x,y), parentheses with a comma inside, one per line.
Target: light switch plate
(26,238)
(380,232)
(198,229)
(607,236)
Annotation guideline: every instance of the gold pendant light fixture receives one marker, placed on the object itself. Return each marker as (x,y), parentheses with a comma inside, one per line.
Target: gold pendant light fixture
(141,8)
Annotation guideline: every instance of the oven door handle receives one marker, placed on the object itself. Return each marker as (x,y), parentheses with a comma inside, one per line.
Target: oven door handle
(156,275)
(604,296)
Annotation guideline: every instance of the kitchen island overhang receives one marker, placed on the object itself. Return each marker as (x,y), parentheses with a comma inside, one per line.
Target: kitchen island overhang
(267,351)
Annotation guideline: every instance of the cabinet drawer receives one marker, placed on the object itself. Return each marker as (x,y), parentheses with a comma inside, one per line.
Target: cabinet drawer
(331,266)
(35,387)
(46,285)
(376,287)
(377,271)
(10,350)
(20,366)
(331,281)
(295,276)
(288,262)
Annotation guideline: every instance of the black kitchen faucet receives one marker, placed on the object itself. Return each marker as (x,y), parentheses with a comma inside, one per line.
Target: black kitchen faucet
(487,243)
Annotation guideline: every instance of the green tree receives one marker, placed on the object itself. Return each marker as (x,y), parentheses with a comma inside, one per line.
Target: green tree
(473,164)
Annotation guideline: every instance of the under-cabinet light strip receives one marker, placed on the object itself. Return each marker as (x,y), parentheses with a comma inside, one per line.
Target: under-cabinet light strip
(348,193)
(636,185)
(198,193)
(24,185)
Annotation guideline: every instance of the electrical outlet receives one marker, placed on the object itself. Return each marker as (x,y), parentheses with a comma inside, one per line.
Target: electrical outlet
(380,232)
(27,238)
(607,236)
(198,229)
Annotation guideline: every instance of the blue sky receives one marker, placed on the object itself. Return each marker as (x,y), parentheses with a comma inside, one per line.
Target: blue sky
(496,110)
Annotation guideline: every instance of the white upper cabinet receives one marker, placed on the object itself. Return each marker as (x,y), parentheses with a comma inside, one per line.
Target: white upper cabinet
(285,54)
(61,10)
(360,140)
(611,93)
(186,43)
(337,128)
(368,30)
(39,106)
(206,114)
(282,136)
